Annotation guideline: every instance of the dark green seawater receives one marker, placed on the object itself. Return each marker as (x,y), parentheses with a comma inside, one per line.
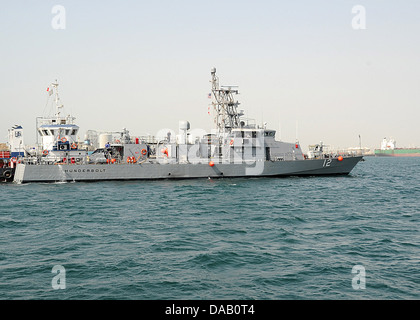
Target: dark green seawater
(265,239)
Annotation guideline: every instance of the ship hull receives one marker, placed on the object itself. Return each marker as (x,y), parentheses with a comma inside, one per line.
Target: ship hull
(398,153)
(150,171)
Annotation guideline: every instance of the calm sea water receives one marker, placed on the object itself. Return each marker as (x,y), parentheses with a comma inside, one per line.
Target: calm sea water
(265,239)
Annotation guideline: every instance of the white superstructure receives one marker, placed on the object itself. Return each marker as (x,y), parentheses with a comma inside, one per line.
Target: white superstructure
(15,141)
(57,131)
(388,144)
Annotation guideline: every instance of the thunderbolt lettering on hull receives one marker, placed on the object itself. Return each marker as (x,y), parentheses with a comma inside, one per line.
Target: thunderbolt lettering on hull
(84,170)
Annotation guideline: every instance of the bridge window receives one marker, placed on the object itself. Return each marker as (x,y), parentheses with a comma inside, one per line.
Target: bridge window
(269,133)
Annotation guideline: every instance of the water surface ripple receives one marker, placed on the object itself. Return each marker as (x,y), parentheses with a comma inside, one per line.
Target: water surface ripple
(256,238)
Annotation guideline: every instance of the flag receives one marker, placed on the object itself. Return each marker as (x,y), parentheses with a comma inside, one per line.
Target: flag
(209,96)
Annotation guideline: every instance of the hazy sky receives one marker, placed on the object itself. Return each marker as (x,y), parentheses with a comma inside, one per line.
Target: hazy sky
(145,65)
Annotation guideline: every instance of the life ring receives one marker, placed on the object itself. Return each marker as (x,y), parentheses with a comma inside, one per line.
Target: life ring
(13,159)
(143,152)
(117,141)
(63,140)
(45,152)
(129,160)
(74,146)
(231,142)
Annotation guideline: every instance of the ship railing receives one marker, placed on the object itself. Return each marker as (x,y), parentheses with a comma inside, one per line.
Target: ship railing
(36,160)
(83,160)
(333,155)
(4,154)
(148,139)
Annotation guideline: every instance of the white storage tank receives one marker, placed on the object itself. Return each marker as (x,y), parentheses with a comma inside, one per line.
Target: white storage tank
(104,138)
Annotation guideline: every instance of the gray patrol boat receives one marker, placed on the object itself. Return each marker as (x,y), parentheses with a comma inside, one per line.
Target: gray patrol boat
(235,148)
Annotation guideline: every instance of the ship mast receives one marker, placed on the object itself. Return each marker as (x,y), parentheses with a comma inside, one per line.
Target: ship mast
(226,115)
(56,129)
(56,114)
(58,106)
